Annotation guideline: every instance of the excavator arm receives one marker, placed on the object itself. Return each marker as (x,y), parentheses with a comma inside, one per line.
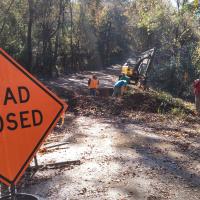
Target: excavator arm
(144,62)
(137,67)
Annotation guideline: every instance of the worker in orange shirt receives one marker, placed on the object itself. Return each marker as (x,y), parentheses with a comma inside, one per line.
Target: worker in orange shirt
(93,84)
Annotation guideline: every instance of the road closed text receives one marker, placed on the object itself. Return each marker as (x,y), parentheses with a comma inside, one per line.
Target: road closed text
(22,119)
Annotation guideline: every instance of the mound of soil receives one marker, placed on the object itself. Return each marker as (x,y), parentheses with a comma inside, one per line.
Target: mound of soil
(106,105)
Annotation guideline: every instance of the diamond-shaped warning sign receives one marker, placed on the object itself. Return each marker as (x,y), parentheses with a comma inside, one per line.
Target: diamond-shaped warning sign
(28,111)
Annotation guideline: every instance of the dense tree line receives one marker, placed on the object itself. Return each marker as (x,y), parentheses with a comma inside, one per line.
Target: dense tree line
(72,35)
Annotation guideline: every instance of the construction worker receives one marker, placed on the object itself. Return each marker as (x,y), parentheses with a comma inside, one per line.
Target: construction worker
(93,84)
(197,94)
(119,88)
(124,77)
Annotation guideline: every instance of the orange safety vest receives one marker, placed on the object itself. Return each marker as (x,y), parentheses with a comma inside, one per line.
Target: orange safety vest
(94,83)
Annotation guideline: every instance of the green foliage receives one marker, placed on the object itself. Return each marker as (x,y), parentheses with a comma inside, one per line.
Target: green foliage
(178,112)
(171,105)
(196,57)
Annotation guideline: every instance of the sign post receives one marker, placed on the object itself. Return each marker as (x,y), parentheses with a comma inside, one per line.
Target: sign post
(28,112)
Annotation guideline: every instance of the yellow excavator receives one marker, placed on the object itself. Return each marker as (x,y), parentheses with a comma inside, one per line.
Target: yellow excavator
(138,67)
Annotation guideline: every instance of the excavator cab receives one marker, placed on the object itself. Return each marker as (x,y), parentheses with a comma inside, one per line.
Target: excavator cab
(138,67)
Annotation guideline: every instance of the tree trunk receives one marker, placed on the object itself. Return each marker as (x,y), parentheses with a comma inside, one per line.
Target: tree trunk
(29,36)
(58,32)
(71,35)
(108,37)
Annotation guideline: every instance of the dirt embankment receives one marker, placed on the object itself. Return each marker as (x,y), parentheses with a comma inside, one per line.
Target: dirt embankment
(135,100)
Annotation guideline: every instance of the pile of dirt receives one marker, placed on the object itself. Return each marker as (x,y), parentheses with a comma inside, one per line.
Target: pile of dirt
(136,102)
(154,103)
(149,102)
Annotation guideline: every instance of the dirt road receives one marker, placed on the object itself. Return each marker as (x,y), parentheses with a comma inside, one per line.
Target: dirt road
(116,158)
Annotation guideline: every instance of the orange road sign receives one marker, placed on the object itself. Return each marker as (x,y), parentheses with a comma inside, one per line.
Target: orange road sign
(28,112)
